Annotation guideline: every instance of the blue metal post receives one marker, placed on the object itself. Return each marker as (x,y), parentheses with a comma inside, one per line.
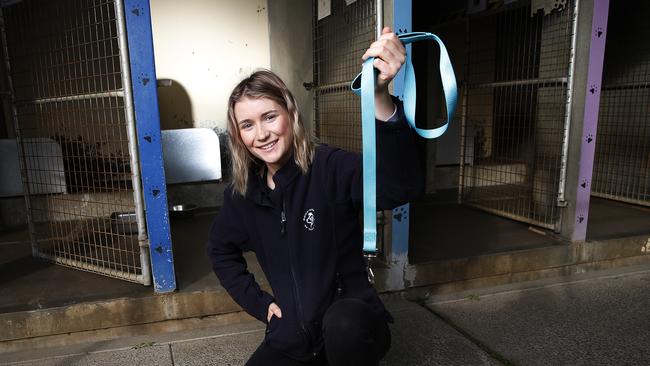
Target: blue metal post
(402,23)
(145,102)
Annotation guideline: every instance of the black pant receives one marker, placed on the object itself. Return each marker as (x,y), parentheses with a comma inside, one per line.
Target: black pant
(353,335)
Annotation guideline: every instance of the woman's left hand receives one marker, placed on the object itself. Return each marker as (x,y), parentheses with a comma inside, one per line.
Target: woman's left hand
(389,54)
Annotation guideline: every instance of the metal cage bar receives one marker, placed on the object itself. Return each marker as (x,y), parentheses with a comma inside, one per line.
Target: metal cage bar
(514,115)
(70,115)
(622,160)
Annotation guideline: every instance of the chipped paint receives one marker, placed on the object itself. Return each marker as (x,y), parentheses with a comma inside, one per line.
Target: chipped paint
(145,100)
(646,248)
(547,6)
(396,273)
(410,274)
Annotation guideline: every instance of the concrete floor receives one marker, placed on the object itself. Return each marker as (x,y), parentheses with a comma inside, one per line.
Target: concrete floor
(418,337)
(459,232)
(594,318)
(610,219)
(441,229)
(598,319)
(27,283)
(450,231)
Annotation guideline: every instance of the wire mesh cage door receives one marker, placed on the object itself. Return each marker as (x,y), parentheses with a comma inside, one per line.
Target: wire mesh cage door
(622,160)
(65,62)
(340,39)
(516,88)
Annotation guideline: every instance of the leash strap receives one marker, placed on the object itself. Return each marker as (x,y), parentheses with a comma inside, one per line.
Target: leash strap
(366,88)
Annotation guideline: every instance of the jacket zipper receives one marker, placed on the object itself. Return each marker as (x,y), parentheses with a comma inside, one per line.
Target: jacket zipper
(296,292)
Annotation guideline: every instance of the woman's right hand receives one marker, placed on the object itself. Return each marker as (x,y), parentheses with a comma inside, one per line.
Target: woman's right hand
(274,309)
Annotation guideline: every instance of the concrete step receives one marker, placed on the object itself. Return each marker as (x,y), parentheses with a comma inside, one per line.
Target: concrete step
(418,338)
(463,329)
(16,327)
(455,275)
(32,328)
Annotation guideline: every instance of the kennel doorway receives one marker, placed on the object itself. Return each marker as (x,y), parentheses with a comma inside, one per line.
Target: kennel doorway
(620,189)
(515,111)
(68,68)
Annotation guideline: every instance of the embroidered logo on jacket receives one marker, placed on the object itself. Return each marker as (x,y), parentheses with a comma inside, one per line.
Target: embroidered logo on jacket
(309,219)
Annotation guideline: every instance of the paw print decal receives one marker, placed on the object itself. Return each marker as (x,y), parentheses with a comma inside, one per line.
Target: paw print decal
(144,79)
(593,89)
(400,214)
(599,32)
(589,138)
(581,218)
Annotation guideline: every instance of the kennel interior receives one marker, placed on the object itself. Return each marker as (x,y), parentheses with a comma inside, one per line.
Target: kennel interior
(69,102)
(501,191)
(65,62)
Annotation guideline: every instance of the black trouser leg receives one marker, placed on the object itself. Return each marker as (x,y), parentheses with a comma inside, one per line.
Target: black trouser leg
(267,356)
(354,334)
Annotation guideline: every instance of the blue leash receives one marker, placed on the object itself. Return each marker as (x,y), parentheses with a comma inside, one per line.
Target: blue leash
(367,92)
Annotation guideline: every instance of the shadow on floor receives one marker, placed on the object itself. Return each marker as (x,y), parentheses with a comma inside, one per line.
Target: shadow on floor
(440,230)
(611,219)
(192,266)
(27,283)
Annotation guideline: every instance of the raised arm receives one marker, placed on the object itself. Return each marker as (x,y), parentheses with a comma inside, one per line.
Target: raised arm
(399,177)
(389,54)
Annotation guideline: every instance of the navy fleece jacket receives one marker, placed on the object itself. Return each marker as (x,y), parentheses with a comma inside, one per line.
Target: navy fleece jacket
(307,236)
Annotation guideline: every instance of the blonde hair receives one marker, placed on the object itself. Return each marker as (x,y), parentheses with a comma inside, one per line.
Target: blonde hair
(265,84)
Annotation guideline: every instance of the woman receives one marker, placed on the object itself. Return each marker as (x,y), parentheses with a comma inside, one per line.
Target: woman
(296,205)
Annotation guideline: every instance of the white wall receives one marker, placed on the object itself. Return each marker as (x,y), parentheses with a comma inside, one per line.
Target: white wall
(290,24)
(206,47)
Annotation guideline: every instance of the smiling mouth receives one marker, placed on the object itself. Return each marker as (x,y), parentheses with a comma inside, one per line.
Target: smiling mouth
(268,146)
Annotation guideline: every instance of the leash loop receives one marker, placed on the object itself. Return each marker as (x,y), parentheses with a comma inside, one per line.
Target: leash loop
(364,85)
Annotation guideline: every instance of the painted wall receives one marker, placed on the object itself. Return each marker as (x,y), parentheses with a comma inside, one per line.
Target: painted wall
(290,24)
(206,47)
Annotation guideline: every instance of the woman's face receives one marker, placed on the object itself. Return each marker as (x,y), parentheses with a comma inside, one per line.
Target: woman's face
(265,129)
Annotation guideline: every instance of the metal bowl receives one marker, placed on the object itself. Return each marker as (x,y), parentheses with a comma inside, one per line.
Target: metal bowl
(182,210)
(124,223)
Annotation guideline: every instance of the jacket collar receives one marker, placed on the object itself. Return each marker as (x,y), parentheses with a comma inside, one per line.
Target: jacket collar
(259,192)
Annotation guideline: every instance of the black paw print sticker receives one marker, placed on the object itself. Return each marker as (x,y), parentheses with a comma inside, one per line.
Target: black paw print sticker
(144,79)
(584,184)
(593,89)
(599,32)
(400,214)
(155,192)
(581,218)
(589,138)
(136,11)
